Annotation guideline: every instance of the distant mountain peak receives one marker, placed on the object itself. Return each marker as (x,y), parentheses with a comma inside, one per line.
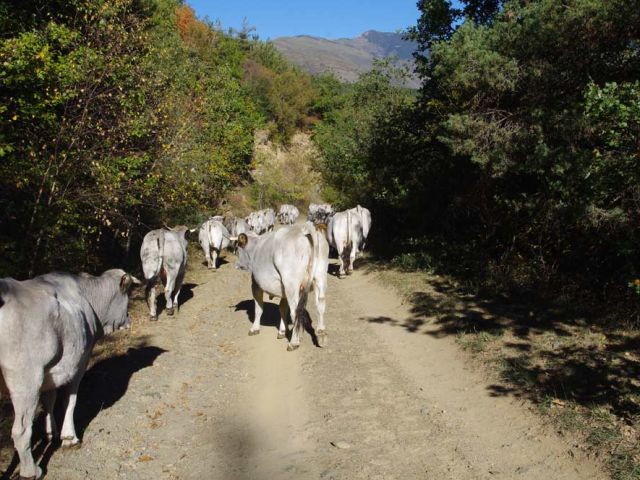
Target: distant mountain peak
(347,58)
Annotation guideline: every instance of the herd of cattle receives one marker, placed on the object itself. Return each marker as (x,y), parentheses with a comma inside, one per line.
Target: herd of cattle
(49,324)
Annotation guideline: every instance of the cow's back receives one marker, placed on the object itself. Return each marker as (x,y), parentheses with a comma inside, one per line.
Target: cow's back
(45,321)
(280,256)
(218,234)
(175,252)
(151,253)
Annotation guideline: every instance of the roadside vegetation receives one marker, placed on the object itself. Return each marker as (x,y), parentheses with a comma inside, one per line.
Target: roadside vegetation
(117,116)
(511,181)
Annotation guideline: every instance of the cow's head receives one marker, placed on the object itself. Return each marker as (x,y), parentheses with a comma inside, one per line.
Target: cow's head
(244,251)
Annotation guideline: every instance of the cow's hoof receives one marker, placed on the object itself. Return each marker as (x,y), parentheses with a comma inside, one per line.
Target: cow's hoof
(170,311)
(322,338)
(291,347)
(37,476)
(71,443)
(253,332)
(281,335)
(153,318)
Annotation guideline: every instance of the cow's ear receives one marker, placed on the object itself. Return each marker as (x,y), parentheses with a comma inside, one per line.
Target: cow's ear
(322,228)
(242,240)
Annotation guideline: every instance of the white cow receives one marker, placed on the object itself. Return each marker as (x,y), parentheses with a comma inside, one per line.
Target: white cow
(287,263)
(365,219)
(164,257)
(344,233)
(288,214)
(213,237)
(262,221)
(48,326)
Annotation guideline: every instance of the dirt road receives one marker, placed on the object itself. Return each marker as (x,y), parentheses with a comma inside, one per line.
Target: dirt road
(200,399)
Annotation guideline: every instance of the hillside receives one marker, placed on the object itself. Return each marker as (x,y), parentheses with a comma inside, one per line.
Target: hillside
(347,58)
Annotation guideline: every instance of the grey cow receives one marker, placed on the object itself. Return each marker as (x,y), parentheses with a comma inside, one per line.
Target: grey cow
(287,263)
(48,326)
(213,237)
(164,257)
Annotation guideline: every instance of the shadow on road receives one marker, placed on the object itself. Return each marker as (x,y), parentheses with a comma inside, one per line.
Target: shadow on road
(186,294)
(545,351)
(271,317)
(103,385)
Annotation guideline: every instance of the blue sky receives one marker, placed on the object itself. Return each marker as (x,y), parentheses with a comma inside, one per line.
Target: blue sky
(321,18)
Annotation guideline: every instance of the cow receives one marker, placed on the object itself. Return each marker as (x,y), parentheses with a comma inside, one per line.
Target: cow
(287,263)
(48,327)
(235,226)
(213,237)
(262,221)
(344,233)
(164,257)
(320,213)
(365,219)
(288,214)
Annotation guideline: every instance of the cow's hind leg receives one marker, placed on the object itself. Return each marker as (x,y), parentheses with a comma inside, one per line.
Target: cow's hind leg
(320,289)
(25,401)
(259,307)
(169,289)
(293,296)
(48,400)
(284,311)
(352,258)
(178,287)
(214,258)
(150,295)
(68,434)
(341,272)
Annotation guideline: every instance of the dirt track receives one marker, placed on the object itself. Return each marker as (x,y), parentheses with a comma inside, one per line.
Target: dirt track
(200,399)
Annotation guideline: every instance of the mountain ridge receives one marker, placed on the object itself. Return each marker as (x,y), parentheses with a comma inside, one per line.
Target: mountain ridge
(347,58)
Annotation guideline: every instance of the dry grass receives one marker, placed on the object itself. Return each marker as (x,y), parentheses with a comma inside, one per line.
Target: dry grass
(281,175)
(583,376)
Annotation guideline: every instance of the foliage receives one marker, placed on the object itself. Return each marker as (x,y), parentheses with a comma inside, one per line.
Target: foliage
(521,152)
(350,135)
(118,115)
(285,94)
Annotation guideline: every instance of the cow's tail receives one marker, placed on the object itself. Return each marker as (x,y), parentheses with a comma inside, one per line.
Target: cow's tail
(152,279)
(213,242)
(346,252)
(302,315)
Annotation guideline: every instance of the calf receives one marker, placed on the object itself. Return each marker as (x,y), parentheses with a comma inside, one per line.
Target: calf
(48,326)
